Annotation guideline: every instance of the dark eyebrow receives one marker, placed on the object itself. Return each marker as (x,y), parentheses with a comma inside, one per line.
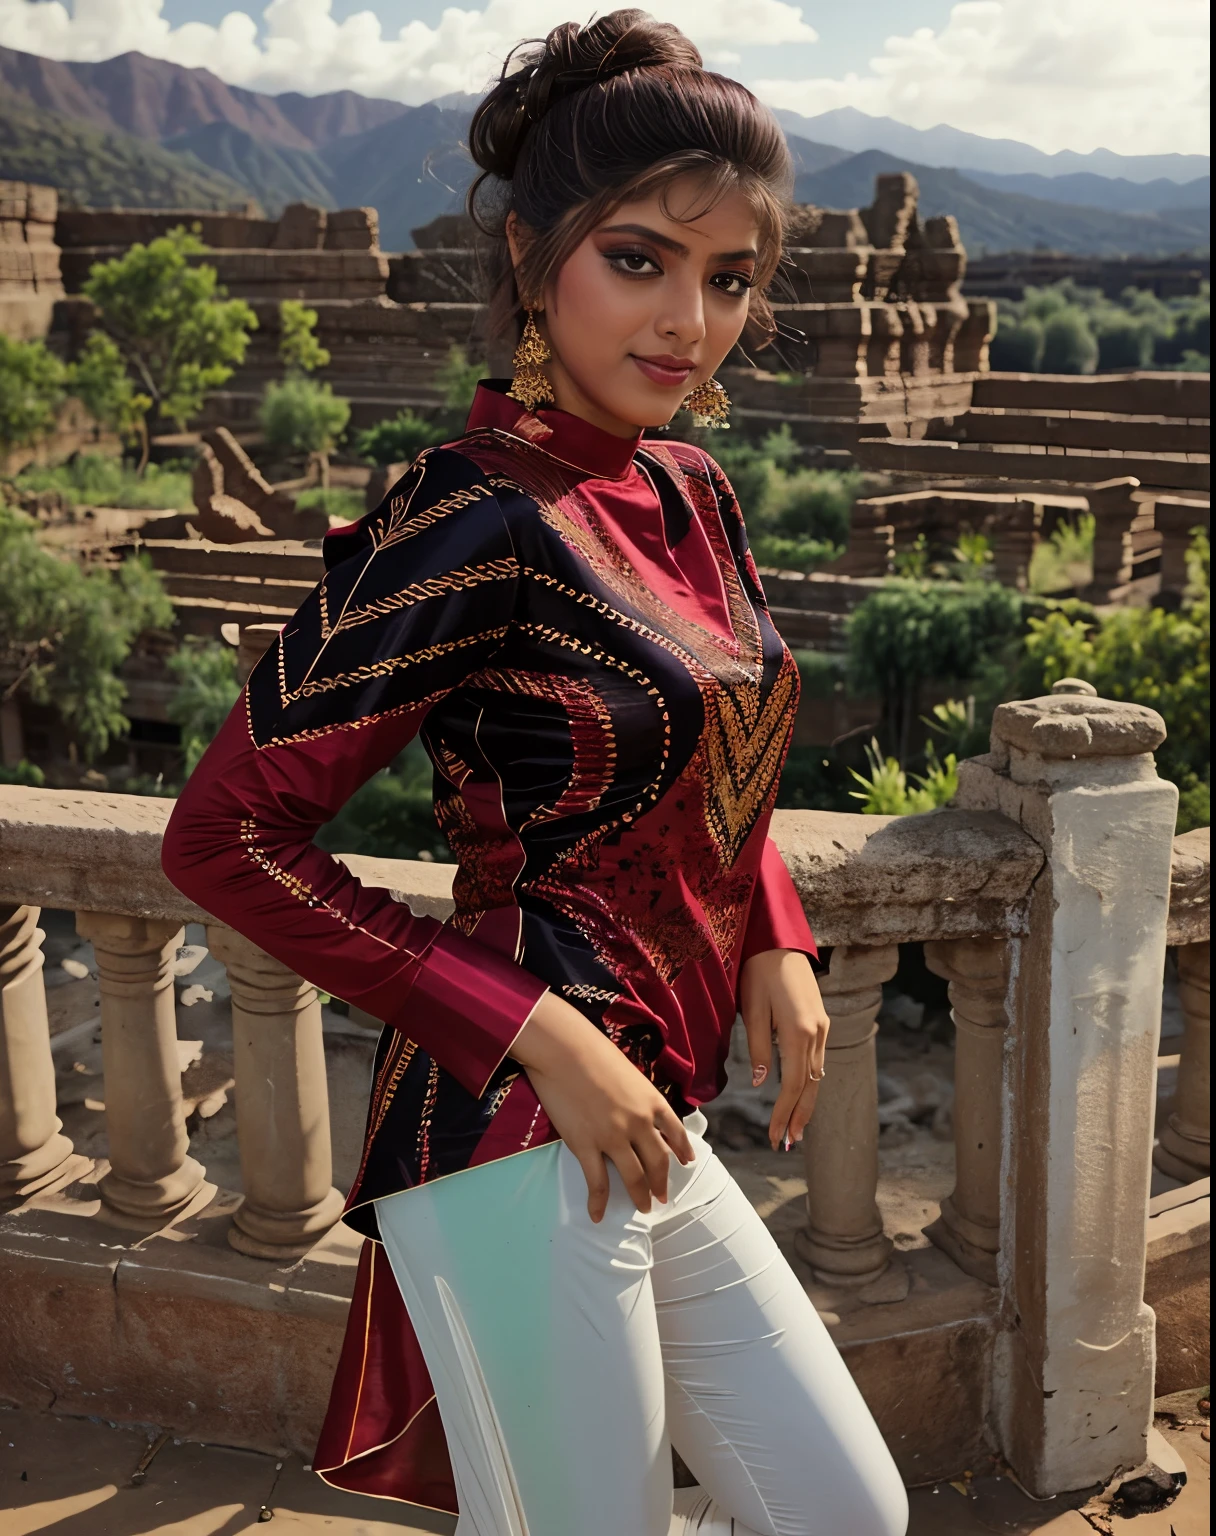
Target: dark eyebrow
(647,234)
(669,244)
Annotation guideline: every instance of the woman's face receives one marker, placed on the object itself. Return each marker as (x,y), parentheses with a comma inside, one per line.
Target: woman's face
(648,306)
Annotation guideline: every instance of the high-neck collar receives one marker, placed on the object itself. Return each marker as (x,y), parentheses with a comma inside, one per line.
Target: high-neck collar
(568,438)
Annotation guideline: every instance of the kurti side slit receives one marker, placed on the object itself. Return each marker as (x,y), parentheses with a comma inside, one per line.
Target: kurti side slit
(573,626)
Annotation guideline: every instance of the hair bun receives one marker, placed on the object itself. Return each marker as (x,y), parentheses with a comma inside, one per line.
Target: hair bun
(537,75)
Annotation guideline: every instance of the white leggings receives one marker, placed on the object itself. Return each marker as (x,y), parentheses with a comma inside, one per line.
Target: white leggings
(567,1355)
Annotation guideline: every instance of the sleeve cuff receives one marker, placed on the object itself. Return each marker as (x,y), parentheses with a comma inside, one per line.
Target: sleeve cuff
(466,1007)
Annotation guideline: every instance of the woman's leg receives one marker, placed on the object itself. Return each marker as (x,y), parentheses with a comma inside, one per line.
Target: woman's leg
(539,1332)
(760,1404)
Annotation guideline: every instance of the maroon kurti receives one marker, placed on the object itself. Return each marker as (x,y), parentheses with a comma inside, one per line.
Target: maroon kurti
(574,626)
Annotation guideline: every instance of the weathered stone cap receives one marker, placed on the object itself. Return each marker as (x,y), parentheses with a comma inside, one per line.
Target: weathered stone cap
(1072,725)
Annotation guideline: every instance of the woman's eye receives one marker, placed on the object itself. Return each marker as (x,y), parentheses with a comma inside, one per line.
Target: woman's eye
(633,263)
(734,284)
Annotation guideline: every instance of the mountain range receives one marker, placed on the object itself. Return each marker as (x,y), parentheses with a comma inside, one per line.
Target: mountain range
(141,131)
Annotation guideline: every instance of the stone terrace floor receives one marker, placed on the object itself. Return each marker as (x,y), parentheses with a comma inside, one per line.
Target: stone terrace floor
(79,1477)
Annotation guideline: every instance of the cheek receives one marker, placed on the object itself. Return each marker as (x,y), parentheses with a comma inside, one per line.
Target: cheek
(588,287)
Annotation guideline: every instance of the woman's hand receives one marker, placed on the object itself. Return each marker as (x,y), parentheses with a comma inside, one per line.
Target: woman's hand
(780,1001)
(600,1104)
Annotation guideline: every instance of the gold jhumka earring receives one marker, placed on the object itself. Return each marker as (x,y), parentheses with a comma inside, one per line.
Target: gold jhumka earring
(529,385)
(709,404)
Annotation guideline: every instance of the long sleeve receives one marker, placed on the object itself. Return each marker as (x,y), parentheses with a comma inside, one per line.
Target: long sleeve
(417,597)
(776,919)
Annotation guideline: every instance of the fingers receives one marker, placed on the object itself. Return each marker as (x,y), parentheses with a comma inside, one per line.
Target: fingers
(758,1025)
(595,1171)
(671,1128)
(803,1110)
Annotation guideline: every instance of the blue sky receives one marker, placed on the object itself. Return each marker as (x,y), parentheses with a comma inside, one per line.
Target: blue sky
(1126,75)
(850,31)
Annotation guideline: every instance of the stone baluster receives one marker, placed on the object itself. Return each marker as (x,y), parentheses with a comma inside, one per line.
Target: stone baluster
(969,1228)
(282,1104)
(1073,1377)
(844,1241)
(1014,535)
(34,1152)
(1184,1148)
(151,1177)
(1174,519)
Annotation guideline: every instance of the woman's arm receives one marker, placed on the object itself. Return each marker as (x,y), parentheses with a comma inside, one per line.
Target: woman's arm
(417,596)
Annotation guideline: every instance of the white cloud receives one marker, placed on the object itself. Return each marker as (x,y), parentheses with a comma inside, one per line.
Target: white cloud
(1061,74)
(1124,74)
(305,49)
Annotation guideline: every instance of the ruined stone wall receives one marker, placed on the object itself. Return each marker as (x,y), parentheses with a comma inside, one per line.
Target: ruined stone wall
(30,278)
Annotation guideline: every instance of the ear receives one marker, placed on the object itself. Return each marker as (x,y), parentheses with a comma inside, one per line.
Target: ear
(516,233)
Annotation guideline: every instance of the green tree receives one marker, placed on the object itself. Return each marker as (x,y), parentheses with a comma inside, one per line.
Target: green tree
(912,632)
(65,632)
(100,380)
(1017,346)
(298,345)
(206,691)
(32,385)
(178,334)
(301,416)
(1069,344)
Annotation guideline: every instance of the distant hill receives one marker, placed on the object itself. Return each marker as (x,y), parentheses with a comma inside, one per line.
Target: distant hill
(98,168)
(1008,221)
(1114,193)
(274,174)
(412,169)
(951,147)
(153,99)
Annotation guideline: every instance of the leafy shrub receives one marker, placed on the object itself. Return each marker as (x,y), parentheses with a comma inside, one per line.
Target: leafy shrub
(300,415)
(336,501)
(399,439)
(885,790)
(206,691)
(1124,342)
(1145,655)
(92,480)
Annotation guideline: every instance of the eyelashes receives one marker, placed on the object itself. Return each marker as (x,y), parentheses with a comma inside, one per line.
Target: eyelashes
(641,264)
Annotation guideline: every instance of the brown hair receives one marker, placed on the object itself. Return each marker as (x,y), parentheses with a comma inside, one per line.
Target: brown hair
(598,115)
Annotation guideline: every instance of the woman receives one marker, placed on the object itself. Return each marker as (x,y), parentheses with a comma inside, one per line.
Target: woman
(569,617)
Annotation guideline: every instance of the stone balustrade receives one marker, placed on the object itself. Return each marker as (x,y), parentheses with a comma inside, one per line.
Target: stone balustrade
(1046,897)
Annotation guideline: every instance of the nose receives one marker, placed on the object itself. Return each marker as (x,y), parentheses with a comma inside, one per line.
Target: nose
(682,317)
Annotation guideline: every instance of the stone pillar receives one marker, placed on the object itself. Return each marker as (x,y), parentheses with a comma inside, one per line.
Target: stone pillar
(1073,1370)
(282,1104)
(1014,533)
(151,1177)
(844,1241)
(1184,1148)
(1174,518)
(33,1150)
(255,641)
(969,1228)
(973,336)
(1115,513)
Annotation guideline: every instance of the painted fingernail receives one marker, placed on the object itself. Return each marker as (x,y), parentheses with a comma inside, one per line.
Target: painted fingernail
(758,1076)
(786,1145)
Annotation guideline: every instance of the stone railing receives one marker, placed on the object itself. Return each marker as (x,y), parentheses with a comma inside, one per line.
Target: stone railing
(1046,897)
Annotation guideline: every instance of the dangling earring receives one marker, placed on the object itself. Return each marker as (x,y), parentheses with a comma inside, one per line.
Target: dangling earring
(709,404)
(529,385)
